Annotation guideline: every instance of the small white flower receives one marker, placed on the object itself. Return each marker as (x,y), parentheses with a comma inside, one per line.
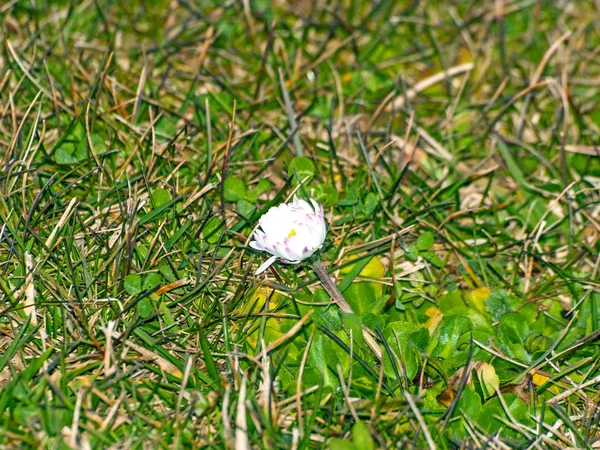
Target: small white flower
(291,232)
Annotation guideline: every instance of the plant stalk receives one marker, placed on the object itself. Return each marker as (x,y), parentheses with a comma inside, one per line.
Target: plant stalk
(330,287)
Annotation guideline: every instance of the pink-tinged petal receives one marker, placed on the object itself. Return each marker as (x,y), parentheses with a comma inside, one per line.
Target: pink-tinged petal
(264,266)
(291,231)
(257,246)
(316,206)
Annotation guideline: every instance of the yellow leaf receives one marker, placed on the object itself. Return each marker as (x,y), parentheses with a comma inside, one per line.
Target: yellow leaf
(488,378)
(538,379)
(435,317)
(478,297)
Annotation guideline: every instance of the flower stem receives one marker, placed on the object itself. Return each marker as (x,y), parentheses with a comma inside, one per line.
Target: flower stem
(330,287)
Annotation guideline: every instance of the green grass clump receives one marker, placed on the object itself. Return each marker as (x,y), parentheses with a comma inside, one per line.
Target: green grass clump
(454,146)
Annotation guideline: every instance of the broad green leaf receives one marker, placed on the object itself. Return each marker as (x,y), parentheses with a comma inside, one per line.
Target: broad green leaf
(372,321)
(212,230)
(133,284)
(362,297)
(323,312)
(433,258)
(167,272)
(145,308)
(419,339)
(399,333)
(497,304)
(166,126)
(361,437)
(470,403)
(371,203)
(167,317)
(450,301)
(160,197)
(245,208)
(264,185)
(320,353)
(340,444)
(302,169)
(325,194)
(352,325)
(468,407)
(536,342)
(477,298)
(72,148)
(513,328)
(413,253)
(493,409)
(234,189)
(452,331)
(152,280)
(425,241)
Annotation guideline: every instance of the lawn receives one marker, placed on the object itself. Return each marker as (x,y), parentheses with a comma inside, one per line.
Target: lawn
(453,146)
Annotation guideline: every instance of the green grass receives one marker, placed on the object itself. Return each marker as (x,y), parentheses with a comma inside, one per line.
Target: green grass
(139,145)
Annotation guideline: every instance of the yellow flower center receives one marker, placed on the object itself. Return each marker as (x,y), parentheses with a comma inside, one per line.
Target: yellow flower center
(292,233)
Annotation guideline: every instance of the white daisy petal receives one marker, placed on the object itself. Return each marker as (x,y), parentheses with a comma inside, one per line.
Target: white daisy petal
(291,232)
(266,265)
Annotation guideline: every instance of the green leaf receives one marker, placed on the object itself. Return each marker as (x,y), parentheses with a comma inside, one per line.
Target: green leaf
(419,339)
(362,297)
(497,305)
(167,272)
(318,355)
(371,203)
(234,189)
(353,327)
(433,258)
(302,169)
(211,230)
(72,148)
(151,281)
(353,273)
(451,333)
(325,194)
(372,321)
(160,197)
(451,301)
(425,241)
(470,403)
(361,437)
(133,284)
(536,342)
(488,379)
(145,308)
(325,315)
(166,126)
(413,253)
(157,212)
(245,208)
(468,406)
(399,333)
(340,444)
(513,328)
(493,409)
(167,317)
(264,185)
